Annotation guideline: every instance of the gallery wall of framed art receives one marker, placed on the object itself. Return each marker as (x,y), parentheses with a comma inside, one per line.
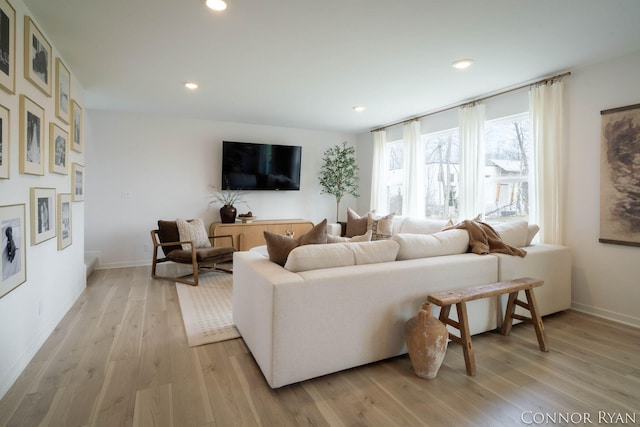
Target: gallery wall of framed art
(41,248)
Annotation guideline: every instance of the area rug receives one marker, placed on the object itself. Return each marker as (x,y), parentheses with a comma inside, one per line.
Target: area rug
(206,309)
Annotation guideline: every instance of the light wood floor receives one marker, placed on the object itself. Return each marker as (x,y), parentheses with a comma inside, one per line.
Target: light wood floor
(120,358)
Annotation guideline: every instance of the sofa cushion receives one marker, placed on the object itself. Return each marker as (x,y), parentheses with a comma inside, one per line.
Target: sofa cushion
(315,257)
(421,226)
(279,246)
(413,246)
(356,224)
(193,231)
(381,226)
(513,233)
(366,237)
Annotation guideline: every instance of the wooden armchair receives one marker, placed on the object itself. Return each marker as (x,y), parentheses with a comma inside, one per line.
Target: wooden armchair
(202,260)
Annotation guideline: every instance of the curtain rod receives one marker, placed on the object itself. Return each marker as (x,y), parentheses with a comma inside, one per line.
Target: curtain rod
(483,98)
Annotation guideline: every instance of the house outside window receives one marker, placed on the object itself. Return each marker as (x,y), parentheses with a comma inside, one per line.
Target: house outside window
(442,167)
(507,168)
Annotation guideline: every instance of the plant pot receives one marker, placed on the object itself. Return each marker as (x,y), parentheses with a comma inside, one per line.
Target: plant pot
(427,339)
(228,214)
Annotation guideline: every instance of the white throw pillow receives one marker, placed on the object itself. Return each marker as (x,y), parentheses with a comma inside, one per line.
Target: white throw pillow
(422,226)
(531,233)
(513,233)
(380,226)
(366,237)
(414,246)
(315,257)
(193,231)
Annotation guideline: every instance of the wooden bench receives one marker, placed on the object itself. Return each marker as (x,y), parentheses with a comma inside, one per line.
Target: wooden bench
(460,296)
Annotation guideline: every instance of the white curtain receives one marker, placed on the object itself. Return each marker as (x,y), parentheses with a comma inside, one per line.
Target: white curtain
(546,180)
(471,194)
(413,201)
(378,172)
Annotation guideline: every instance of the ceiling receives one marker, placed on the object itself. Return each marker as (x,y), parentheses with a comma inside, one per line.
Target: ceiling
(306,63)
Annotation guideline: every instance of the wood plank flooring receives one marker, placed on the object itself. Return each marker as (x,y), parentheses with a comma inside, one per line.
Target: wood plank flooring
(120,358)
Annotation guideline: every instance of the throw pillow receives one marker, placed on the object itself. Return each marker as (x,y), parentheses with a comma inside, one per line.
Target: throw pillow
(513,233)
(531,233)
(381,227)
(279,246)
(356,224)
(366,237)
(193,231)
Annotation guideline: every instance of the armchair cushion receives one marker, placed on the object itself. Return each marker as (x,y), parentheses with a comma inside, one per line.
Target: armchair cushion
(211,254)
(168,232)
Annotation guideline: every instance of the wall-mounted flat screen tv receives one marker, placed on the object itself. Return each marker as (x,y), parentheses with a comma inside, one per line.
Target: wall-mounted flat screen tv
(251,166)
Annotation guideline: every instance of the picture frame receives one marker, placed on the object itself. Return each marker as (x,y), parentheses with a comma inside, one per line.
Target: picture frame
(58,150)
(64,221)
(37,57)
(13,258)
(31,137)
(7,47)
(43,214)
(620,176)
(76,126)
(5,142)
(63,91)
(77,182)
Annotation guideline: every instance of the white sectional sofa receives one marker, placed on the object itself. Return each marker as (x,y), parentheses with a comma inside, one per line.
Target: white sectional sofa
(320,318)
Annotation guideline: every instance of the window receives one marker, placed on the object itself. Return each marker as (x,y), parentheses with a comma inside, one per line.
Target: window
(442,166)
(395,176)
(507,168)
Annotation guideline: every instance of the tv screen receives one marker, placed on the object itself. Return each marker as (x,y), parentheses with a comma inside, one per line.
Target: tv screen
(251,166)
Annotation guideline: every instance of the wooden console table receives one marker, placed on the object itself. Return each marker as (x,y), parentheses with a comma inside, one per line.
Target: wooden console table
(251,234)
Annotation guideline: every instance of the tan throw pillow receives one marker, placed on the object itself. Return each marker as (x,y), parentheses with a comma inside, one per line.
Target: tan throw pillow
(279,246)
(366,237)
(193,231)
(381,227)
(356,224)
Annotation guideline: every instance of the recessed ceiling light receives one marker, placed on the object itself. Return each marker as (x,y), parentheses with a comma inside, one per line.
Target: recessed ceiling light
(359,108)
(462,64)
(218,5)
(191,85)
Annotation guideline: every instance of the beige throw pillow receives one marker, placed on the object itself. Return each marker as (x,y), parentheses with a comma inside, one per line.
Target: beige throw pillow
(279,246)
(366,237)
(193,231)
(381,227)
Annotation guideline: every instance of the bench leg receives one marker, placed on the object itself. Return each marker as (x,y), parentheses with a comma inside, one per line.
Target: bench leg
(537,320)
(533,310)
(465,339)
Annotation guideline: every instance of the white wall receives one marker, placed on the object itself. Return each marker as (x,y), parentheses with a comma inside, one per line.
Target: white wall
(606,277)
(141,168)
(30,312)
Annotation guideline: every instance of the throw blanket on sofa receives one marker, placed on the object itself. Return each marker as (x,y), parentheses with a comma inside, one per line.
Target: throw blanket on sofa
(483,239)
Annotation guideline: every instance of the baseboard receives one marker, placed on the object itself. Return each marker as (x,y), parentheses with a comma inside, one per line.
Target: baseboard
(606,314)
(34,346)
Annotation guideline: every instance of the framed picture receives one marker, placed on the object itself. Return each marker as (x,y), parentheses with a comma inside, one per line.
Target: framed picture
(620,176)
(31,137)
(63,89)
(76,127)
(5,143)
(13,271)
(37,57)
(64,220)
(58,149)
(7,46)
(43,214)
(77,182)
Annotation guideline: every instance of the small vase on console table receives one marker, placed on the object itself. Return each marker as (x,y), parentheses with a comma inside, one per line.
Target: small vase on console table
(228,214)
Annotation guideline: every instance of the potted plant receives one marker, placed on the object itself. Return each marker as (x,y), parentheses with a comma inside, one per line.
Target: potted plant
(228,199)
(339,173)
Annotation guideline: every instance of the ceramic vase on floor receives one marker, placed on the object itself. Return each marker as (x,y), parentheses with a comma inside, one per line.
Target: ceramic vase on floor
(427,339)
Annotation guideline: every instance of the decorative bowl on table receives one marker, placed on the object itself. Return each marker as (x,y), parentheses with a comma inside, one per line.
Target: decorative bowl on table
(247,217)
